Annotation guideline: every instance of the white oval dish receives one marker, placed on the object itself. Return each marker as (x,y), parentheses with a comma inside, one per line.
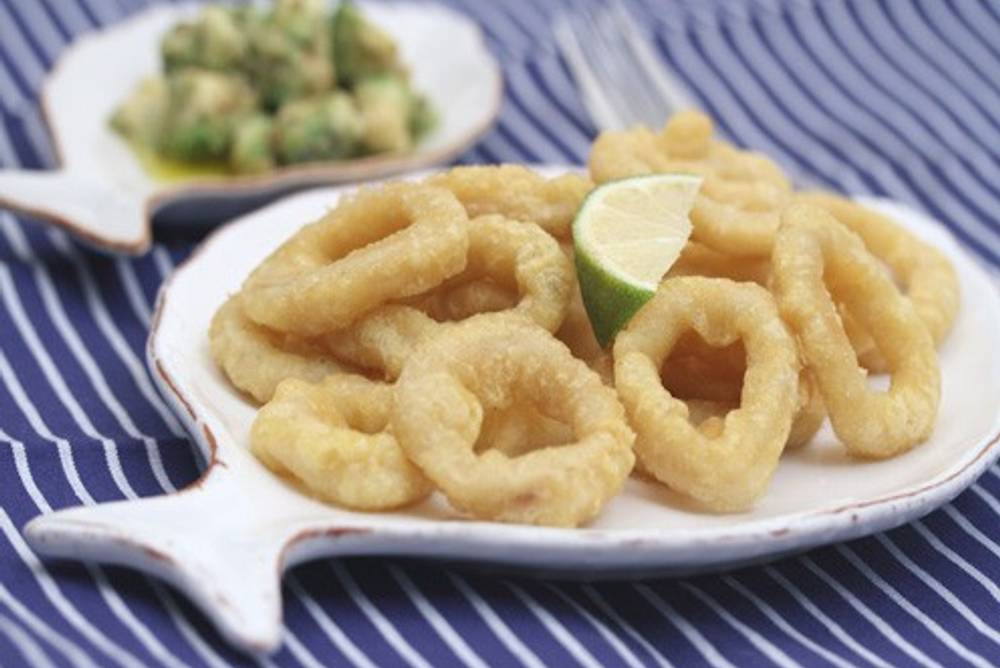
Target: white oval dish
(102,194)
(252,525)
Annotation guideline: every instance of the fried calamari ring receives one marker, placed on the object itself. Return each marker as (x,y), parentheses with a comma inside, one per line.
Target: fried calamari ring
(517,192)
(492,362)
(576,331)
(332,438)
(737,209)
(750,179)
(458,302)
(926,276)
(729,470)
(816,258)
(256,359)
(709,417)
(729,229)
(383,339)
(578,334)
(380,244)
(703,376)
(699,260)
(520,428)
(687,135)
(514,256)
(811,412)
(863,344)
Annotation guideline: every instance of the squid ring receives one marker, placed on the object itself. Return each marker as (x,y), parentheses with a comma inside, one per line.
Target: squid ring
(510,256)
(517,192)
(815,258)
(736,211)
(577,332)
(256,359)
(381,244)
(520,428)
(384,339)
(491,363)
(714,376)
(458,302)
(730,229)
(927,277)
(811,412)
(725,469)
(699,260)
(514,255)
(332,438)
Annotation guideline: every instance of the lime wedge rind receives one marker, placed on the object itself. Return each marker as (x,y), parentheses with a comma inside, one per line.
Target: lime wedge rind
(623,251)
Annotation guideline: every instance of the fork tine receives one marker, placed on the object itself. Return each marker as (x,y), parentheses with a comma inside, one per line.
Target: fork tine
(604,61)
(613,66)
(595,98)
(643,100)
(601,57)
(621,79)
(671,90)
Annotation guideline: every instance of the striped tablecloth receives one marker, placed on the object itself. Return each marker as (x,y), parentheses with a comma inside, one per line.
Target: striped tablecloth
(900,98)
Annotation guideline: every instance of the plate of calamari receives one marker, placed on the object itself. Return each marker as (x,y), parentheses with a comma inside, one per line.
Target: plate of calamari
(671,361)
(206,111)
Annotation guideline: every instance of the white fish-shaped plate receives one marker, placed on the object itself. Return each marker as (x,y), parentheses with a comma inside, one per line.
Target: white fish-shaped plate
(226,539)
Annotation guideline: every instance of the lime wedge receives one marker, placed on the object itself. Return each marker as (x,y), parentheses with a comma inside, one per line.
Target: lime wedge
(626,236)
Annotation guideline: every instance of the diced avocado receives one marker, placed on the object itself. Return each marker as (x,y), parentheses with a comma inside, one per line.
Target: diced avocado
(252,151)
(202,110)
(141,116)
(423,117)
(384,102)
(360,48)
(285,66)
(215,41)
(324,128)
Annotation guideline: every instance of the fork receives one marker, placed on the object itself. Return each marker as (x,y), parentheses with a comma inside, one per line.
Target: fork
(622,81)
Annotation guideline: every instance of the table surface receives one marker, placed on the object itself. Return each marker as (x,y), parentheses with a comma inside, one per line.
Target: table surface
(897,98)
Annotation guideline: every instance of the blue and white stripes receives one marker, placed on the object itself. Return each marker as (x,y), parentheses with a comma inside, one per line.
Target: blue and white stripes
(895,97)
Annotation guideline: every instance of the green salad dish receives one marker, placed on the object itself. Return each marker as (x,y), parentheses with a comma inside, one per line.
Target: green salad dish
(245,90)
